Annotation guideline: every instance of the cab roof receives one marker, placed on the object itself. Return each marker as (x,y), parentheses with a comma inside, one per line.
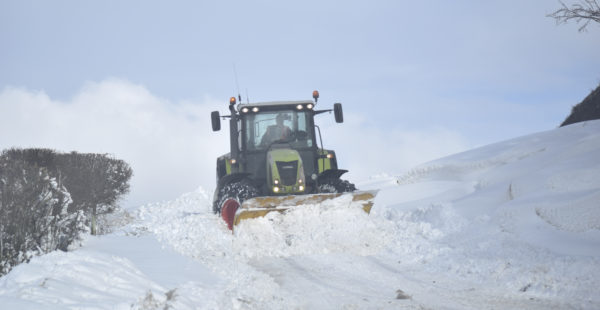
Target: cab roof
(273,104)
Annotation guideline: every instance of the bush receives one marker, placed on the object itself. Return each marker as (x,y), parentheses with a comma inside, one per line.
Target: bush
(94,180)
(48,199)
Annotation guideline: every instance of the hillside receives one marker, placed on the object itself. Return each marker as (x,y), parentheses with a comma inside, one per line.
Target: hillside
(511,225)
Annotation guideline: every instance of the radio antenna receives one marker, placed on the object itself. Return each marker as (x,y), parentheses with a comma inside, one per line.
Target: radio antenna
(237,85)
(247,97)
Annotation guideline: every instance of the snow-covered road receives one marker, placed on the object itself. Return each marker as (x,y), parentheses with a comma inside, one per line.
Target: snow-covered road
(513,225)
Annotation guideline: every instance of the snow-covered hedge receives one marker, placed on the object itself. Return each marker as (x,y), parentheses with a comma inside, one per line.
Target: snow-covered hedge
(47,199)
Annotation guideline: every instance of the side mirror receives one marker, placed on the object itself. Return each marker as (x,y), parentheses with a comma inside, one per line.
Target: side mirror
(337,111)
(216,120)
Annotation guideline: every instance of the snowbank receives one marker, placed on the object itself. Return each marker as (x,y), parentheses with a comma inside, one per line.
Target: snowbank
(515,224)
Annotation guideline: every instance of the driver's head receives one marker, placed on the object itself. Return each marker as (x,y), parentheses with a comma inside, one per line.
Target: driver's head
(280,117)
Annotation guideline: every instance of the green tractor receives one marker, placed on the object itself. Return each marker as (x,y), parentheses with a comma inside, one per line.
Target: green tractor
(276,161)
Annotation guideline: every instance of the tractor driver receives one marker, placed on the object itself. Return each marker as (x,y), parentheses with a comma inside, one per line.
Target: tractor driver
(279,131)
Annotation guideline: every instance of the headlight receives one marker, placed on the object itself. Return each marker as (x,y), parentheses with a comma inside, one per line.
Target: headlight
(301,188)
(276,182)
(276,189)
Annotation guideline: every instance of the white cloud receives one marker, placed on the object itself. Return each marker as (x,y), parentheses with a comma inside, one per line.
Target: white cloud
(170,145)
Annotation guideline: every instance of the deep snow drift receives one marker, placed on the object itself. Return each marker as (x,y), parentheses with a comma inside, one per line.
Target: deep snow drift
(515,224)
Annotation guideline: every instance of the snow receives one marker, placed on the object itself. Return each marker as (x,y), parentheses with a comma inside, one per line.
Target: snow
(515,224)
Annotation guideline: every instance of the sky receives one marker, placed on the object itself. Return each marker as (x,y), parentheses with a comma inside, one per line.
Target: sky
(417,80)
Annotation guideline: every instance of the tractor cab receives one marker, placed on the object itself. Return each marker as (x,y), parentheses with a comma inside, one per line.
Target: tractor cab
(278,145)
(274,123)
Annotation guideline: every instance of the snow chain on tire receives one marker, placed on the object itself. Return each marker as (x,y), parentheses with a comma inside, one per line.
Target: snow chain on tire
(240,191)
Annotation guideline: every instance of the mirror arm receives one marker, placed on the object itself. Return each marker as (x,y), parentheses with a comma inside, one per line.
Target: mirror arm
(322,111)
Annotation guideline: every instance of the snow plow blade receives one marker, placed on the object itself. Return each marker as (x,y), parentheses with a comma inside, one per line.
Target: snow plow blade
(261,206)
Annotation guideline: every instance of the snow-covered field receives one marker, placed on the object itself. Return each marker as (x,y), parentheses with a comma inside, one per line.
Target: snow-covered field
(513,225)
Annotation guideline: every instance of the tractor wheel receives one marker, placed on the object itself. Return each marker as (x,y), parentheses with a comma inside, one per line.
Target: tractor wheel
(231,197)
(336,186)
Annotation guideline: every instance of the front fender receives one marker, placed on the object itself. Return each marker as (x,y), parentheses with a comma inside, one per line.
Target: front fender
(330,174)
(230,178)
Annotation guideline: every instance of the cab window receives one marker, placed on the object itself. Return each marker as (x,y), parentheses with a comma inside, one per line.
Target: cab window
(266,128)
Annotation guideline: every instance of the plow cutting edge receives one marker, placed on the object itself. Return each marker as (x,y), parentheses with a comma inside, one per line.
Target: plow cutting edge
(261,206)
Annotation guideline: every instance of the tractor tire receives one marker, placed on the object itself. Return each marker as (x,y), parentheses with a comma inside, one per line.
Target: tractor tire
(336,186)
(238,191)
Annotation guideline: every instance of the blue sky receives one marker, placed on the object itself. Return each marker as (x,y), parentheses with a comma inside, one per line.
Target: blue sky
(418,80)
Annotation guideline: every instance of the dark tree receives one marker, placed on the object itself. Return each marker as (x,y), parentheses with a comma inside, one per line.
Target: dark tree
(588,109)
(584,11)
(94,180)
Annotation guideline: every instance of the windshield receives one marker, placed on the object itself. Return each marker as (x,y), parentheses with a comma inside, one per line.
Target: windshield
(262,130)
